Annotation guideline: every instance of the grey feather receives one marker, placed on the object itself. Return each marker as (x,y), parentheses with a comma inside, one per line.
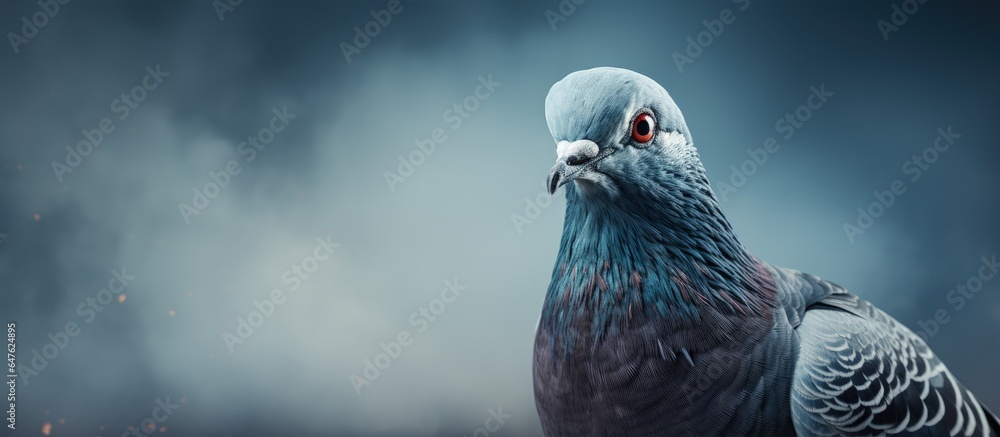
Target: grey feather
(687,356)
(651,280)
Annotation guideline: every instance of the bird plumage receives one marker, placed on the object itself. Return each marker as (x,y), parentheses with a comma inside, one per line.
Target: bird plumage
(657,321)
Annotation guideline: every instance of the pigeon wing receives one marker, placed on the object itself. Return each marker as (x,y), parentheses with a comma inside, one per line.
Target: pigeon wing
(860,372)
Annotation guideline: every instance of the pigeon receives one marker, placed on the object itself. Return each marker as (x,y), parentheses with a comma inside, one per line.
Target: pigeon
(658,322)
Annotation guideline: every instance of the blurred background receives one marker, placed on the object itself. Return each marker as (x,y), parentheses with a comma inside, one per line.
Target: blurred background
(361,245)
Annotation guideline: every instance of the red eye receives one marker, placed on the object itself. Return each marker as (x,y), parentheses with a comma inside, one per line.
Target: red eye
(643,128)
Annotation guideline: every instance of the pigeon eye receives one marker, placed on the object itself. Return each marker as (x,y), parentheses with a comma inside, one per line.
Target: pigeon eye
(643,127)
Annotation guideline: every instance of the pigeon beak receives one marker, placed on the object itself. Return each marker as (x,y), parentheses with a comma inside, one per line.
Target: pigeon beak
(574,158)
(556,177)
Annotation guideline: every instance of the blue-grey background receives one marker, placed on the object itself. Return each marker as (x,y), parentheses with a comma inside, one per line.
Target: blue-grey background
(452,218)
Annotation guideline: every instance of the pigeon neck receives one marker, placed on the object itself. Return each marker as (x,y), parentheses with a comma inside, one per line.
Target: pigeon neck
(664,251)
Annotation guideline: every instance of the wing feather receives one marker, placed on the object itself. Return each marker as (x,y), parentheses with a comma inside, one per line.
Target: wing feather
(860,372)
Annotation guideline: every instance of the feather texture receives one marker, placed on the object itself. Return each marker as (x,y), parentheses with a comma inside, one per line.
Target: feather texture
(657,321)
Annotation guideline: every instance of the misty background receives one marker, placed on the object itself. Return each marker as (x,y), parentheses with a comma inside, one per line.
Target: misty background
(324,175)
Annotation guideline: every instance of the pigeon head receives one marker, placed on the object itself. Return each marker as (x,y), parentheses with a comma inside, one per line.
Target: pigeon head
(616,131)
(641,218)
